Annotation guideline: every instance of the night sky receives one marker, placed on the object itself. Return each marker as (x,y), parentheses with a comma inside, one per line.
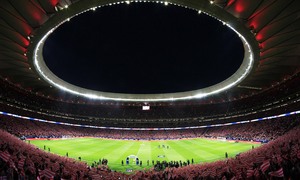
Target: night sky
(143,48)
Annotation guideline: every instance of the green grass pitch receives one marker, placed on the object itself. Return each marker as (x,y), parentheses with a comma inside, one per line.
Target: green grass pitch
(93,149)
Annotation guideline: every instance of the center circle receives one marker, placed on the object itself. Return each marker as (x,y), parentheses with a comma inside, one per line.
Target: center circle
(143,48)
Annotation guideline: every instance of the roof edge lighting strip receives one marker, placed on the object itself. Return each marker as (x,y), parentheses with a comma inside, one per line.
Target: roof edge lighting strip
(203,7)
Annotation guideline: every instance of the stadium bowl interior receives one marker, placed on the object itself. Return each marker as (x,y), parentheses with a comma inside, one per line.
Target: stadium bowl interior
(259,101)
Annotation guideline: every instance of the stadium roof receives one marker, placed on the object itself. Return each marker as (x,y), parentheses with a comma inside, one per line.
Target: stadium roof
(273,24)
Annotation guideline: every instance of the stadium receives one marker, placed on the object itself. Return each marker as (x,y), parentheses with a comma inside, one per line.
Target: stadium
(196,89)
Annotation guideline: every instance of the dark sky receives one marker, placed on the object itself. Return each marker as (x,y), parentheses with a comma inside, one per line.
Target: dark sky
(143,48)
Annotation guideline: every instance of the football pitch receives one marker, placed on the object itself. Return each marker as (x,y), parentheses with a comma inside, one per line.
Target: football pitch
(92,149)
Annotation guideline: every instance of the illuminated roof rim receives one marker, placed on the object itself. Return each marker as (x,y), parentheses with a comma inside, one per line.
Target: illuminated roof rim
(249,43)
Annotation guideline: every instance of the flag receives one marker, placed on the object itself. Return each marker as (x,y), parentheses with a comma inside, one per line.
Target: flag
(278,173)
(259,159)
(250,173)
(205,173)
(213,173)
(30,165)
(21,163)
(11,164)
(5,156)
(96,176)
(47,173)
(265,166)
(31,169)
(256,173)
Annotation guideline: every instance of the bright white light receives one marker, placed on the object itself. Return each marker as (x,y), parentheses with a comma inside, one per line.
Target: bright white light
(66,6)
(166,3)
(211,2)
(92,96)
(146,108)
(47,75)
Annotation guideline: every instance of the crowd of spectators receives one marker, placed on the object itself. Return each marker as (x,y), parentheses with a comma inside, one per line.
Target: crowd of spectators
(278,158)
(256,131)
(226,107)
(261,131)
(158,123)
